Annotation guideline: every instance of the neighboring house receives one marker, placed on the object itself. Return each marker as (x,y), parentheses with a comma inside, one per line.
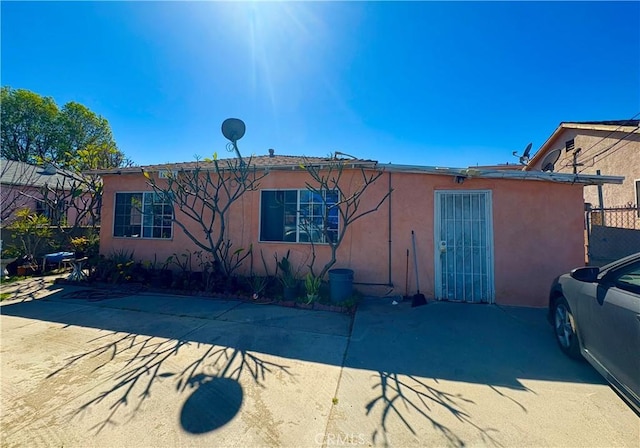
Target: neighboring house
(496,236)
(610,147)
(23,185)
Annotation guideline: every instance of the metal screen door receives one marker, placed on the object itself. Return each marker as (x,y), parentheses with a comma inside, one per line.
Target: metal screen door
(463,246)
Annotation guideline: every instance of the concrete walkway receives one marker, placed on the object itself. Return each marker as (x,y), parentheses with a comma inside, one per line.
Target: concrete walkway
(81,368)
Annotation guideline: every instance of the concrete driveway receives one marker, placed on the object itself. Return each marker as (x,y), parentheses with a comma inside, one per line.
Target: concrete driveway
(80,368)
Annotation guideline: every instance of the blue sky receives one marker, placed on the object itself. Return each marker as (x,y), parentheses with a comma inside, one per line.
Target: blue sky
(427,83)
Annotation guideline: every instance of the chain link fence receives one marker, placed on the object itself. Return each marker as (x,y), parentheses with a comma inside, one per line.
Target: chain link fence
(612,233)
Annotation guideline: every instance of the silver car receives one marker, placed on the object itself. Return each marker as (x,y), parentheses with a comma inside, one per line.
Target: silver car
(596,315)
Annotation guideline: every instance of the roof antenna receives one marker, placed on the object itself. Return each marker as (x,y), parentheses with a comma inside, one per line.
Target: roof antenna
(233,130)
(524,158)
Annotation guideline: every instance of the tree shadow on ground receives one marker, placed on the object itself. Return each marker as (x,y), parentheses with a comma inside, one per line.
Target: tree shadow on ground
(144,361)
(462,343)
(401,396)
(27,289)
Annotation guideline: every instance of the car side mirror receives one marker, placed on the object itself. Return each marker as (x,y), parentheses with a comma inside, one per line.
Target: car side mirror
(587,274)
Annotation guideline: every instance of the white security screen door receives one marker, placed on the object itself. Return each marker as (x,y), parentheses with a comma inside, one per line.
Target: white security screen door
(464,246)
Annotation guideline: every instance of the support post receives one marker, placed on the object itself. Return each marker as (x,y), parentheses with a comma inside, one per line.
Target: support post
(600,201)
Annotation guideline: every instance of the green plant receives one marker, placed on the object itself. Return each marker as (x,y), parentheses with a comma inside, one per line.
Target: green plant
(312,286)
(182,261)
(10,251)
(120,265)
(207,267)
(352,301)
(288,276)
(32,230)
(257,284)
(93,243)
(79,243)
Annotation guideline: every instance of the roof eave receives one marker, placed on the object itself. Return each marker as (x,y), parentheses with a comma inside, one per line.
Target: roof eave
(584,179)
(573,125)
(290,167)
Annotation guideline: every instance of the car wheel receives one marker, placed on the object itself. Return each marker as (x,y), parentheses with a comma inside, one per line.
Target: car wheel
(565,329)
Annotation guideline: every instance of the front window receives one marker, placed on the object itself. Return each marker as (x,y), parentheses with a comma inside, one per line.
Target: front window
(146,215)
(299,216)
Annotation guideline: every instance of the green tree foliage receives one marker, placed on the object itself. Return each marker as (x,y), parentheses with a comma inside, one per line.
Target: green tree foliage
(35,130)
(29,126)
(32,230)
(86,141)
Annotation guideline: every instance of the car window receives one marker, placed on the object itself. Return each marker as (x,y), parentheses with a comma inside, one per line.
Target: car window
(628,277)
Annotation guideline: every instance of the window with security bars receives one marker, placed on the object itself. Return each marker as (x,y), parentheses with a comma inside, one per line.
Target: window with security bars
(143,215)
(298,216)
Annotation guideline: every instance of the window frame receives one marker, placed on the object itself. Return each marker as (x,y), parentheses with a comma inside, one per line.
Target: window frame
(143,217)
(298,192)
(613,277)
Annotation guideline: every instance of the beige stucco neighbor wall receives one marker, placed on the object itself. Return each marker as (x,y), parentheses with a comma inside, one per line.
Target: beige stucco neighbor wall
(538,232)
(621,159)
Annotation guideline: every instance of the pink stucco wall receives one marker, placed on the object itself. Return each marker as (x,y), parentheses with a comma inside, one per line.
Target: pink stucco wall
(16,197)
(537,227)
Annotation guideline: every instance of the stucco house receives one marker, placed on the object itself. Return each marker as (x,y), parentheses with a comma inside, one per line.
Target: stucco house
(23,185)
(612,223)
(609,147)
(482,235)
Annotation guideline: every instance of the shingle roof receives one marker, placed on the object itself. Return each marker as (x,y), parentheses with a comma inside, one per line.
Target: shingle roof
(261,162)
(20,173)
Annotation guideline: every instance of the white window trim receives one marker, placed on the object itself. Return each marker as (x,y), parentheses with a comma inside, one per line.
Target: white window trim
(297,190)
(113,220)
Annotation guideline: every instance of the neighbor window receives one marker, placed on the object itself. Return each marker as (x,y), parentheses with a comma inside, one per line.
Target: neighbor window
(142,215)
(298,216)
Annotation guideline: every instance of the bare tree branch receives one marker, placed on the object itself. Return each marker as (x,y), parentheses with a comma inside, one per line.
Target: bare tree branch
(204,195)
(329,178)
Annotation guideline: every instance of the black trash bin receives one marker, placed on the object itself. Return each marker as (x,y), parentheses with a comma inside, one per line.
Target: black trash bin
(341,284)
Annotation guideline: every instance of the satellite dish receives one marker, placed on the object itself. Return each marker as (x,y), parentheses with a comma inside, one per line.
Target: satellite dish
(524,158)
(233,129)
(550,159)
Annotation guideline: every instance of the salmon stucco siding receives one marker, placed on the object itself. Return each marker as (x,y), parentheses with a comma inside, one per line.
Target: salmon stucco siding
(537,231)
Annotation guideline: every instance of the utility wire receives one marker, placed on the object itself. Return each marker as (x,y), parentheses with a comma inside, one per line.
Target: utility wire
(608,135)
(569,161)
(609,148)
(602,151)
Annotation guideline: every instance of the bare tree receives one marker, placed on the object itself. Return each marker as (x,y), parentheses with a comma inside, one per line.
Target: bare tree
(12,192)
(345,197)
(204,195)
(77,193)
